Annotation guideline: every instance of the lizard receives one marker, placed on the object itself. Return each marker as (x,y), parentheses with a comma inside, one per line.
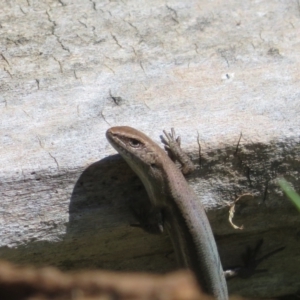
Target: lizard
(171,197)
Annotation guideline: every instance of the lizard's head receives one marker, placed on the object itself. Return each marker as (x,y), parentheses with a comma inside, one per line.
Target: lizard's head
(134,146)
(144,157)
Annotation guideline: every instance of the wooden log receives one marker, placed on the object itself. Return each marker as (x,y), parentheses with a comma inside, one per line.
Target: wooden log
(213,70)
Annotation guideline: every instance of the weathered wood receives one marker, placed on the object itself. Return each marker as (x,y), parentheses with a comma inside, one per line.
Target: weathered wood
(71,69)
(51,284)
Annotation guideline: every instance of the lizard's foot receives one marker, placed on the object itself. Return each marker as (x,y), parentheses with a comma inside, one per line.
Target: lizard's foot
(250,262)
(172,146)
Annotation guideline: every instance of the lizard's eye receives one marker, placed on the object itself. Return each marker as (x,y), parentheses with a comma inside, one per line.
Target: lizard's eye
(134,143)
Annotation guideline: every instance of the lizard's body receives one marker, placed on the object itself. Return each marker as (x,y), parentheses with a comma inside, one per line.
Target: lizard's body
(183,214)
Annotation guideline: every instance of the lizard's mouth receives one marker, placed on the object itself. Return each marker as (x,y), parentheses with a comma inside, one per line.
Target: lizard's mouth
(117,142)
(109,135)
(114,139)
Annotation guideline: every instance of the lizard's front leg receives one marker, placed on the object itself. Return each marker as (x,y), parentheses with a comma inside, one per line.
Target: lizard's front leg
(172,146)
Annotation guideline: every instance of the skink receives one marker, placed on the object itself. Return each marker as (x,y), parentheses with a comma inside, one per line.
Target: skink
(183,214)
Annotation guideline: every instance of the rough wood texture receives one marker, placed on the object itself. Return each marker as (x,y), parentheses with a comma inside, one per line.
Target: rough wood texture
(71,69)
(51,284)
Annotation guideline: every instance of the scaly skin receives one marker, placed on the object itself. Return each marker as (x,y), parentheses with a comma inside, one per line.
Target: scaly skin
(183,214)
